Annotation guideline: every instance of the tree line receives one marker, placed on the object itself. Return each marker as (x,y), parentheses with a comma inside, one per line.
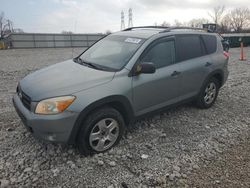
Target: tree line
(6,26)
(227,20)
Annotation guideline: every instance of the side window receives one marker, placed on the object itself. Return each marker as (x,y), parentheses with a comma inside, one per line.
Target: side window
(188,47)
(210,43)
(161,54)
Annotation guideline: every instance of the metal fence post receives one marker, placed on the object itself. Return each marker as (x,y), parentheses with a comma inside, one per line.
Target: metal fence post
(87,37)
(34,41)
(54,40)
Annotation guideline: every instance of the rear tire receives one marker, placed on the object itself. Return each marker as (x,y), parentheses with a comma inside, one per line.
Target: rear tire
(101,131)
(208,93)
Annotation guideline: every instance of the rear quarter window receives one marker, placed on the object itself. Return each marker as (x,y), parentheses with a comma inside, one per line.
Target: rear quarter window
(210,43)
(189,47)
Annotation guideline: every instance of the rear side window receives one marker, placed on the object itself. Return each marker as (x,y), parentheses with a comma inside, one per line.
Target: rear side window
(210,43)
(162,54)
(188,47)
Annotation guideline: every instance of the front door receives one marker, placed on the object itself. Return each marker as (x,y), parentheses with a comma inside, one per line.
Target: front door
(153,91)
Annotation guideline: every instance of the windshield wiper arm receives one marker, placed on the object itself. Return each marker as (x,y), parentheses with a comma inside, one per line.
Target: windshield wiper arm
(80,61)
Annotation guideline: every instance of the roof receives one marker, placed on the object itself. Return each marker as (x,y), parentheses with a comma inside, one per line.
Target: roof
(141,33)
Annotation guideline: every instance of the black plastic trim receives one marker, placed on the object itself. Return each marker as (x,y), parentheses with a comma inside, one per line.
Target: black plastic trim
(114,99)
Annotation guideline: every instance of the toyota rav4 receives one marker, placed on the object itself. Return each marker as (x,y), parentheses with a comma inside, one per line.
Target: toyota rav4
(91,99)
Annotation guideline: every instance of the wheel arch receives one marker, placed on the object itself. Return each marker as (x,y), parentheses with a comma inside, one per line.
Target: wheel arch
(218,74)
(118,102)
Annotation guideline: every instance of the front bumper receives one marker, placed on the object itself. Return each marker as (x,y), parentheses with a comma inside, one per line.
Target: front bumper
(53,128)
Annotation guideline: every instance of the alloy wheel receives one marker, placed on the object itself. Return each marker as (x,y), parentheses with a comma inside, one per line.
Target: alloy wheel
(210,93)
(104,134)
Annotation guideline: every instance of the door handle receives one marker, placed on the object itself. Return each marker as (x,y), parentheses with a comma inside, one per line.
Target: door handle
(208,64)
(175,73)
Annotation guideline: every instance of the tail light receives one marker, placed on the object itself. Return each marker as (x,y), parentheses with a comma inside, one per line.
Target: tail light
(226,54)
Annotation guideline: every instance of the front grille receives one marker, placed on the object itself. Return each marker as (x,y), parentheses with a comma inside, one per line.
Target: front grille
(26,100)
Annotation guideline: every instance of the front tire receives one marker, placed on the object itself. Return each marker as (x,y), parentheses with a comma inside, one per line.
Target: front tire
(208,94)
(101,130)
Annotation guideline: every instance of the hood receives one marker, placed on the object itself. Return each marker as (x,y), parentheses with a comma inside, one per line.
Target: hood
(62,79)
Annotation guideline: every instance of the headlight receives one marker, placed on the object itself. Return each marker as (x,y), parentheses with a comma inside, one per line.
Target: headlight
(54,105)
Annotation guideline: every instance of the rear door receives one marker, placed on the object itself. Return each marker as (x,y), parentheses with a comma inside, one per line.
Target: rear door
(194,63)
(214,48)
(153,91)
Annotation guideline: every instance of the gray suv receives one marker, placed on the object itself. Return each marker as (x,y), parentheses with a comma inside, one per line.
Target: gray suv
(90,100)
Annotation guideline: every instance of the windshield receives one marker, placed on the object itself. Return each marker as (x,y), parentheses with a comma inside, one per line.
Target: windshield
(112,52)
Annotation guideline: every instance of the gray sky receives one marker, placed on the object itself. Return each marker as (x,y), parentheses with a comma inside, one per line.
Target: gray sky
(91,16)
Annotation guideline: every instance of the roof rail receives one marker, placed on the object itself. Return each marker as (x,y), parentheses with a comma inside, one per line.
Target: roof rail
(146,27)
(166,29)
(173,28)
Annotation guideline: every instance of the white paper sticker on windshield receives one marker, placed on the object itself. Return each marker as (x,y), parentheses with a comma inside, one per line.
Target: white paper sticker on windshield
(133,40)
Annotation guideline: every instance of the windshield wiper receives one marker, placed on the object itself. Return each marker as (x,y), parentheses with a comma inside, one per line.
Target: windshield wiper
(93,65)
(80,61)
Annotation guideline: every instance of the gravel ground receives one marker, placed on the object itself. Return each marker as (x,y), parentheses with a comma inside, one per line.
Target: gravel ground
(230,169)
(182,147)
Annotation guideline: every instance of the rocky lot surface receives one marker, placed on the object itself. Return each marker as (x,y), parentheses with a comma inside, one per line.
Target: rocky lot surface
(182,147)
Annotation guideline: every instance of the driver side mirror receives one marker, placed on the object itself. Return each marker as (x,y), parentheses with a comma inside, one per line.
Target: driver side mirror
(145,68)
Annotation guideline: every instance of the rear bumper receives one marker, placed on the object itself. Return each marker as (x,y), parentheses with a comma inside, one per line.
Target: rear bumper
(52,128)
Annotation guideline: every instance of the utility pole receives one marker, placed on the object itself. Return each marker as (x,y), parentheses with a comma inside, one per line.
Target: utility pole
(130,18)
